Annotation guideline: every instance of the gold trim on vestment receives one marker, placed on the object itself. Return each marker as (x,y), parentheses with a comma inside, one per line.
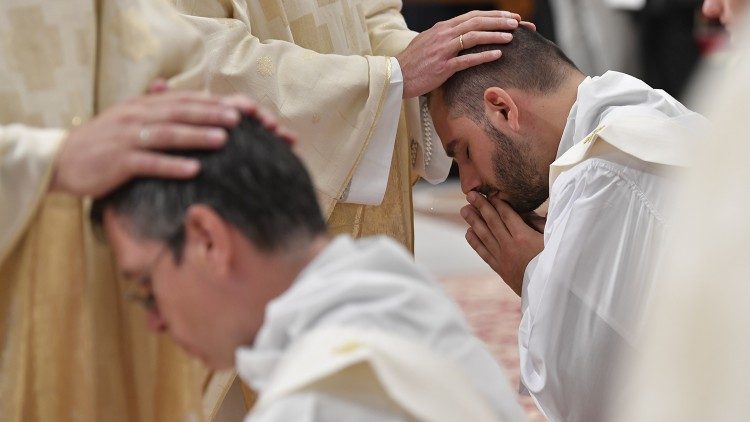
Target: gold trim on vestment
(378,112)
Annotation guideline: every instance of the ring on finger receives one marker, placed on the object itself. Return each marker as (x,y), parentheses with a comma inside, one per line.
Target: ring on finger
(144,136)
(461,41)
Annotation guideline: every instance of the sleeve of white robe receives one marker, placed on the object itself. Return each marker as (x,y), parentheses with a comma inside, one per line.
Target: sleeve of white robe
(584,289)
(389,36)
(26,158)
(430,161)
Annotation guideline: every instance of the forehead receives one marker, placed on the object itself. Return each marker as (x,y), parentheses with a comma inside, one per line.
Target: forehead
(442,118)
(130,252)
(451,127)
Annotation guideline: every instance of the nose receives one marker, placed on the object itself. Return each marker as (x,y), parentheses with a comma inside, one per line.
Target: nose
(469,177)
(155,322)
(712,9)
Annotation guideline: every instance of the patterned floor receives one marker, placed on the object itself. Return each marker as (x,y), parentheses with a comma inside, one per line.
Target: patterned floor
(494,311)
(491,308)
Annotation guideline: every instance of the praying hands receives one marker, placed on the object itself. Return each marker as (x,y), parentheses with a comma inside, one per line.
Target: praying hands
(505,240)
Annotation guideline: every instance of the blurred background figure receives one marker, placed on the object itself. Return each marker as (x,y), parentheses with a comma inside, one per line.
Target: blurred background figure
(491,308)
(668,44)
(598,35)
(697,351)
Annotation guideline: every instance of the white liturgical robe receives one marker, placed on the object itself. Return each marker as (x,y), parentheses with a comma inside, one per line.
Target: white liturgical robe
(583,296)
(372,286)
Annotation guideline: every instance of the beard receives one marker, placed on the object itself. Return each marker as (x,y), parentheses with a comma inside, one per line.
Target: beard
(516,174)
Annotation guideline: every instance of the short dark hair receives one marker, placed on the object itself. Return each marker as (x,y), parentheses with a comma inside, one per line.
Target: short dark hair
(529,62)
(255,182)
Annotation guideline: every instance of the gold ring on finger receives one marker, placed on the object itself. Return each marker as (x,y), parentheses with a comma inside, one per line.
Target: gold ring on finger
(461,41)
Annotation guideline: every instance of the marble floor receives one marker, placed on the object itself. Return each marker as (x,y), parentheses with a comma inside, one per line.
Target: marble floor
(491,308)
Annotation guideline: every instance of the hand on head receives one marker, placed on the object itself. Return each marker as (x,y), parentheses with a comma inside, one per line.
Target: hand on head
(433,56)
(125,140)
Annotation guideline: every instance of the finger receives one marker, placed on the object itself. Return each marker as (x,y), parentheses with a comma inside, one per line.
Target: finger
(287,135)
(466,61)
(176,136)
(514,223)
(486,13)
(251,108)
(490,216)
(474,38)
(479,226)
(483,23)
(192,113)
(149,164)
(242,103)
(528,25)
(268,119)
(479,247)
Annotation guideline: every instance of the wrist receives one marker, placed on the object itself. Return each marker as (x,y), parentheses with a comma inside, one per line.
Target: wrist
(56,179)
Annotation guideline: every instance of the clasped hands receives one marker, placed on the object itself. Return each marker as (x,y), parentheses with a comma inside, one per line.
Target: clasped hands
(432,56)
(504,239)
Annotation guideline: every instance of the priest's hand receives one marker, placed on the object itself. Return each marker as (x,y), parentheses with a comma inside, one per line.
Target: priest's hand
(432,57)
(124,141)
(501,237)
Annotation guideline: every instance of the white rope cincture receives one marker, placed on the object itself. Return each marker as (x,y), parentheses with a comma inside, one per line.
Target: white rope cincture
(427,135)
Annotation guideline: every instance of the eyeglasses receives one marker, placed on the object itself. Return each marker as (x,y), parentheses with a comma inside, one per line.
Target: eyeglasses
(140,291)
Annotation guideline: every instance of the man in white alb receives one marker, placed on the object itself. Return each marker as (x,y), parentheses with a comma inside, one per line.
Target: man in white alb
(604,151)
(237,267)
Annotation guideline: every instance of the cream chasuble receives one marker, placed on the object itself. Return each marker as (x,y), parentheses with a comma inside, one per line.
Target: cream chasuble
(71,349)
(323,67)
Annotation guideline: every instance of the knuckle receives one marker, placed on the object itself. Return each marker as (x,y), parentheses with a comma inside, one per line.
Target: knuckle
(174,113)
(183,97)
(128,115)
(165,134)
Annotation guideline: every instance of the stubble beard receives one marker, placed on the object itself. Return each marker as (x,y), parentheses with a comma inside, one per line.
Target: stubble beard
(515,173)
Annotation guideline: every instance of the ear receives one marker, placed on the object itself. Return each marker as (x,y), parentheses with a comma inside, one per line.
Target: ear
(501,108)
(208,238)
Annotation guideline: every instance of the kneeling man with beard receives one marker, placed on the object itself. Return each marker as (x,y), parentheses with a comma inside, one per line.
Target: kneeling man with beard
(237,267)
(604,150)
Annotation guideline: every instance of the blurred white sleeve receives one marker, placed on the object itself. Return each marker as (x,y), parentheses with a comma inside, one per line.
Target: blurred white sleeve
(26,160)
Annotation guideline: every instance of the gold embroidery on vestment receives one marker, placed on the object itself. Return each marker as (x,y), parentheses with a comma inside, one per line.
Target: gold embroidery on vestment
(378,113)
(135,37)
(265,66)
(310,35)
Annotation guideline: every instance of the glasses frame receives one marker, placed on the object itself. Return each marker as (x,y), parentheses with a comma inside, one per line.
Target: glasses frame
(142,293)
